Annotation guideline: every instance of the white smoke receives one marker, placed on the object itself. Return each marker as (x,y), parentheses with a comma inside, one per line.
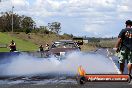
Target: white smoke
(26,65)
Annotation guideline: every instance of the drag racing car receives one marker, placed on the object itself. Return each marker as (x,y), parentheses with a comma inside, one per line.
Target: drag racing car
(60,48)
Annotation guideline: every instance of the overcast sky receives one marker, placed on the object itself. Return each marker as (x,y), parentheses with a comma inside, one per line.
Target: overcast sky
(98,18)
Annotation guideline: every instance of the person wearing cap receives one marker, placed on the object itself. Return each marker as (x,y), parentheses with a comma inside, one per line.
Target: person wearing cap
(124,47)
(12,46)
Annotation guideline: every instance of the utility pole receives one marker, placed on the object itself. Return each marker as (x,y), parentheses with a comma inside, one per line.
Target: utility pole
(12,18)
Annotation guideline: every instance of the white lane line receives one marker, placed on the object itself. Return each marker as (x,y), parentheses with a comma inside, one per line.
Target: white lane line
(116,68)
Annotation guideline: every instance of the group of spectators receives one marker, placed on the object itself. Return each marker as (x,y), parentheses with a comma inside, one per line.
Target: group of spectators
(41,48)
(12,47)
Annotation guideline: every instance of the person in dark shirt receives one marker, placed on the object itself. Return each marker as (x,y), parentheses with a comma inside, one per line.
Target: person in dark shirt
(12,46)
(124,47)
(41,48)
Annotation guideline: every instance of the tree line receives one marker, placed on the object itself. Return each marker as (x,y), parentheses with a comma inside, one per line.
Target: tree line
(20,23)
(25,24)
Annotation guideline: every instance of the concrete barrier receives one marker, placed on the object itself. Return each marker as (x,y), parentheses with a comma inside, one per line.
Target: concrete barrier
(7,55)
(4,55)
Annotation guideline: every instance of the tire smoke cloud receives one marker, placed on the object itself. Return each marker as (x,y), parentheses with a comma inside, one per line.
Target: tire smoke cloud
(29,65)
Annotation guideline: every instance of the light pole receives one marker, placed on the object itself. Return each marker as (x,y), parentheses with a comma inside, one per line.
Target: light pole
(12,18)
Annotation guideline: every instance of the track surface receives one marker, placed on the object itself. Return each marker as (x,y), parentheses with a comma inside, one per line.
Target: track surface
(69,85)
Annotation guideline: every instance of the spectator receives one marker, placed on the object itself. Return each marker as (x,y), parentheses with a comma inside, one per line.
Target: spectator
(41,48)
(47,47)
(12,46)
(124,47)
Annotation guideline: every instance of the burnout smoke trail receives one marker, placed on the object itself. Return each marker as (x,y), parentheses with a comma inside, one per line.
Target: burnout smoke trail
(28,65)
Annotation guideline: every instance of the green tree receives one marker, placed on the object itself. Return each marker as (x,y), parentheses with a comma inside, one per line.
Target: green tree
(27,23)
(6,22)
(55,27)
(43,30)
